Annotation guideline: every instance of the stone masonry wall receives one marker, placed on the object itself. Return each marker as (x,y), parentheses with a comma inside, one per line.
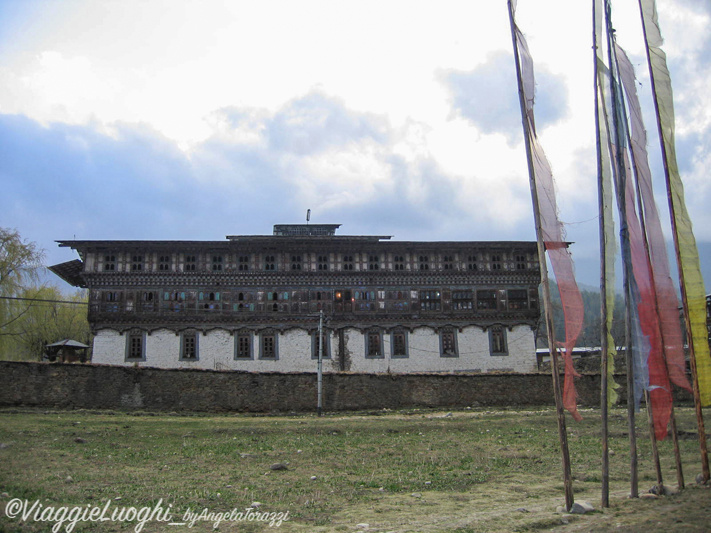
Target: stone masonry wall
(90,386)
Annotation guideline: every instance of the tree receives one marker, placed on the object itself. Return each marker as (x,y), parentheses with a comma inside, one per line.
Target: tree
(590,334)
(20,262)
(33,315)
(52,317)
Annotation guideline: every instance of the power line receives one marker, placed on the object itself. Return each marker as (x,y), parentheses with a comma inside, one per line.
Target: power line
(44,301)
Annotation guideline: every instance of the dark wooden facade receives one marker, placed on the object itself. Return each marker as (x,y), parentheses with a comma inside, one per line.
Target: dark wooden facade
(284,281)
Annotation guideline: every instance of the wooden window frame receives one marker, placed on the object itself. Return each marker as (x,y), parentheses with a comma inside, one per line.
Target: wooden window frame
(498,342)
(190,342)
(135,342)
(239,354)
(448,343)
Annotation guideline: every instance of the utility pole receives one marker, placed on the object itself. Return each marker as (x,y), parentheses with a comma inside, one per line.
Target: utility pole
(319,408)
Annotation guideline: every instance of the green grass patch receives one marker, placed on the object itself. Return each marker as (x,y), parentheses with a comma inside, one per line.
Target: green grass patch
(396,471)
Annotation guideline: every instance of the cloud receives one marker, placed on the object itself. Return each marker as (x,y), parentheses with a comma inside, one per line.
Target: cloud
(486,96)
(258,168)
(316,122)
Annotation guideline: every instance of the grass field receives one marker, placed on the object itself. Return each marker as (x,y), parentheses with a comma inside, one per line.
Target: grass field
(471,470)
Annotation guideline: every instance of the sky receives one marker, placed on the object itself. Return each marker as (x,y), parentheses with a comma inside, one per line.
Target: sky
(186,119)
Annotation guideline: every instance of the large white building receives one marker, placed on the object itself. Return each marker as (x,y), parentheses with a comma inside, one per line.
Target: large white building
(253,303)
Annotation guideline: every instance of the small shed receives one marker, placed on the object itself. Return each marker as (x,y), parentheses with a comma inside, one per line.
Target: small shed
(67,351)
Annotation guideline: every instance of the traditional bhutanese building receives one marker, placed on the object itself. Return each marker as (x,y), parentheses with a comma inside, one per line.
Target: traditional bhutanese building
(253,303)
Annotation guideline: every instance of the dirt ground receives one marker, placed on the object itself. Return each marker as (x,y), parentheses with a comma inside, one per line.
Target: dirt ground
(687,511)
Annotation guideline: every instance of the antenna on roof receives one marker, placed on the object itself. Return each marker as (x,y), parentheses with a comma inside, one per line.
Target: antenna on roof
(308,215)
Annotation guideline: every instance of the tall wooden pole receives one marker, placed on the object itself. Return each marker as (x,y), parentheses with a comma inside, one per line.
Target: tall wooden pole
(605,496)
(620,171)
(548,307)
(687,322)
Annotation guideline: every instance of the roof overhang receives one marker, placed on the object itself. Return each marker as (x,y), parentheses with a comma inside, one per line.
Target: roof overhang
(70,272)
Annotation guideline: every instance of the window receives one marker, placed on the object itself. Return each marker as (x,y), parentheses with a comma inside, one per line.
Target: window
(164,263)
(136,346)
(462,300)
(398,343)
(424,262)
(472,262)
(269,262)
(190,263)
(448,262)
(209,300)
(364,300)
(486,299)
(496,262)
(323,262)
(242,298)
(189,346)
(373,262)
(243,263)
(520,262)
(110,262)
(430,301)
(296,262)
(448,343)
(243,345)
(315,345)
(111,300)
(148,301)
(497,341)
(216,262)
(399,262)
(518,299)
(268,348)
(347,262)
(137,263)
(374,343)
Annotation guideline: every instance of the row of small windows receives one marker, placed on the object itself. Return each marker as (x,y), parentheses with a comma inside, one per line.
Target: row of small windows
(243,263)
(266,344)
(340,300)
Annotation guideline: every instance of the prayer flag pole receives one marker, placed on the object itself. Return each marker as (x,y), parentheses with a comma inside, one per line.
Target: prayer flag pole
(620,171)
(605,489)
(548,307)
(648,16)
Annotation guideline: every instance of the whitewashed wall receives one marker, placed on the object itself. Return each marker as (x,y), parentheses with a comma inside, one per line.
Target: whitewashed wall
(216,351)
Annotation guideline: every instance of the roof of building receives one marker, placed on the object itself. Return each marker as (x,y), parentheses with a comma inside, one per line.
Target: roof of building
(70,272)
(68,343)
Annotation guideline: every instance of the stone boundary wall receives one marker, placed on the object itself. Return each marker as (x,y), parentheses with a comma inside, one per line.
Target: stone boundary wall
(90,386)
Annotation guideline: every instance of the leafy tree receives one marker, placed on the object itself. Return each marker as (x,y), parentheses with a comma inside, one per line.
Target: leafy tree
(31,314)
(52,317)
(590,334)
(20,262)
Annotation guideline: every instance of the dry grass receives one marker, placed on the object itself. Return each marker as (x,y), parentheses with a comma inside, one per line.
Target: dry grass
(471,471)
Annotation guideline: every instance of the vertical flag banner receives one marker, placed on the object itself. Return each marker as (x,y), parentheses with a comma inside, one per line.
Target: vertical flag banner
(666,359)
(632,247)
(608,243)
(690,268)
(553,234)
